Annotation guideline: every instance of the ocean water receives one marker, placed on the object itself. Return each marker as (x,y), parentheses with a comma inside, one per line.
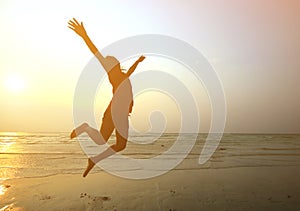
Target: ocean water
(24,155)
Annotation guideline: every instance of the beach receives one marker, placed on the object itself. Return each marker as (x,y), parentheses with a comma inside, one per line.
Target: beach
(250,188)
(247,172)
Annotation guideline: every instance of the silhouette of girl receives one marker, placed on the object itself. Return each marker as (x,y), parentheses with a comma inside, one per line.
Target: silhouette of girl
(117,112)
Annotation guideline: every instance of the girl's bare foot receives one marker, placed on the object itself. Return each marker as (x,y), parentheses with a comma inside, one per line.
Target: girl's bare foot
(76,132)
(73,134)
(89,167)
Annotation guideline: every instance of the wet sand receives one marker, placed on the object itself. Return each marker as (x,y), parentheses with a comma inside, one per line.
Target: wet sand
(242,188)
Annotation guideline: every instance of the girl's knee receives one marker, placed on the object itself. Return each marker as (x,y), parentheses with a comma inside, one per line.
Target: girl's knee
(120,146)
(85,125)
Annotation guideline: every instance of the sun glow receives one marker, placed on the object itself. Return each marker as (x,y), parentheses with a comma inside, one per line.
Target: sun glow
(14,83)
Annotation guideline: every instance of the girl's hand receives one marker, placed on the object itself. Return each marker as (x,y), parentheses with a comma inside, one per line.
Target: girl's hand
(141,58)
(76,27)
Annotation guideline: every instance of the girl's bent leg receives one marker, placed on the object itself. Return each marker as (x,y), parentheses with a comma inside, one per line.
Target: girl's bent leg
(94,134)
(119,146)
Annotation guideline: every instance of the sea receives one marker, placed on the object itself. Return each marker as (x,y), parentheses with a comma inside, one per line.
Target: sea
(27,155)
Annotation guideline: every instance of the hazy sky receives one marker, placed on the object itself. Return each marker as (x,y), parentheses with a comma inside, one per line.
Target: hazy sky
(253,45)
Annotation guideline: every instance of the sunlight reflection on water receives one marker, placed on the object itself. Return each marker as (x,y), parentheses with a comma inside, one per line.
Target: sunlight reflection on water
(5,145)
(3,189)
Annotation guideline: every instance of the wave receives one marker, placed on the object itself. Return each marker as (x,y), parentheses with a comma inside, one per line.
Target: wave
(48,154)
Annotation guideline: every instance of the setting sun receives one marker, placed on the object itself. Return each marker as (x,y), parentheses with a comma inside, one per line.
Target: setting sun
(14,83)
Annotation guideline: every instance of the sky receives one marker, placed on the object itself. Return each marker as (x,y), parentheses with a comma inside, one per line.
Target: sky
(253,45)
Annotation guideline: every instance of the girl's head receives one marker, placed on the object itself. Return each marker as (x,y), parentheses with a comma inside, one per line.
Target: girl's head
(112,63)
